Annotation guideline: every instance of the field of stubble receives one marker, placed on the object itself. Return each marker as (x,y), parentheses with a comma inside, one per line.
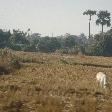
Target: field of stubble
(56,83)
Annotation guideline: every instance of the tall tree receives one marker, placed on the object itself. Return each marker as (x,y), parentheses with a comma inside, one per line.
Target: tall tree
(4,38)
(70,41)
(90,13)
(103,19)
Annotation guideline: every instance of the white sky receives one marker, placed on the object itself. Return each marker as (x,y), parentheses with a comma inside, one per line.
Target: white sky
(51,16)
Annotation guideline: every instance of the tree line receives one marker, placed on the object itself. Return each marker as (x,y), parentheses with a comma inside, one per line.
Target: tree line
(98,45)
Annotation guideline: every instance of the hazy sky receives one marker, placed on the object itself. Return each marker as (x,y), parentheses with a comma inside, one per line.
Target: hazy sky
(50,16)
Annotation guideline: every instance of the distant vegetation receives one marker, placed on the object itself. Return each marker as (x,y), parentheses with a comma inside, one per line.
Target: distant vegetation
(97,45)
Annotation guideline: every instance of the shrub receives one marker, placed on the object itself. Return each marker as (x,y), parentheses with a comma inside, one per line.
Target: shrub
(63,61)
(15,63)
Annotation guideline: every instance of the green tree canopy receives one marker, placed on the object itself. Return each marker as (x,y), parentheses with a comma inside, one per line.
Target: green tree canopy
(4,38)
(103,19)
(90,13)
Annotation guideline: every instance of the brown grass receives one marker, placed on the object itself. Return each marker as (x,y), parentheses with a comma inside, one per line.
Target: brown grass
(53,83)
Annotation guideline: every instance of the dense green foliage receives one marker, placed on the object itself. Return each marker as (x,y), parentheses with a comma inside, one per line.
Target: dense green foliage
(103,19)
(99,44)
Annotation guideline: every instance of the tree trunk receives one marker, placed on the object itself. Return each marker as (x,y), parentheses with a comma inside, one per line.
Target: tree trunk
(89,30)
(102,28)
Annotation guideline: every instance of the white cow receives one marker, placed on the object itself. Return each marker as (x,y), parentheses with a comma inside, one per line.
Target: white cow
(102,79)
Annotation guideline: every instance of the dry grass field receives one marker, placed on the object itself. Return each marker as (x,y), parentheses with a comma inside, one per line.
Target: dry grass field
(55,83)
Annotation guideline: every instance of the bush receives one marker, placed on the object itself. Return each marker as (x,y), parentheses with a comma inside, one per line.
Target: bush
(68,51)
(15,64)
(15,47)
(63,61)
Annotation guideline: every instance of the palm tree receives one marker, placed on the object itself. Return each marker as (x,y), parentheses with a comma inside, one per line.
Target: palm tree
(90,13)
(103,19)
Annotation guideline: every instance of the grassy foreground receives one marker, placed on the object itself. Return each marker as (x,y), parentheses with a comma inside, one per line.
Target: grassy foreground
(55,83)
